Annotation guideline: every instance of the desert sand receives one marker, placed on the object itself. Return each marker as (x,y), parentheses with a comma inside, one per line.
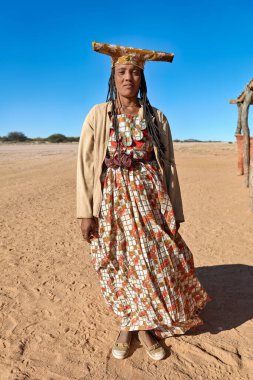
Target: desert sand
(54,322)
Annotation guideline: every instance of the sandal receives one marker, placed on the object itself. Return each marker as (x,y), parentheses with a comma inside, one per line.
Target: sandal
(156,351)
(120,350)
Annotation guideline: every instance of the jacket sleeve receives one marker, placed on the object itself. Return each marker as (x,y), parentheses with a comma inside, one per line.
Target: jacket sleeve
(172,181)
(85,169)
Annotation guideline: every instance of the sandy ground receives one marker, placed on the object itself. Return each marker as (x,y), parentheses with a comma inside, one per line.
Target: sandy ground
(54,322)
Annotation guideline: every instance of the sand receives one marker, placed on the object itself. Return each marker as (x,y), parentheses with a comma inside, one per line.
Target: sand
(54,322)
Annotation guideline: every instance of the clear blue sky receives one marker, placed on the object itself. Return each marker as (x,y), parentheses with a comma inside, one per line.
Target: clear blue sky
(50,77)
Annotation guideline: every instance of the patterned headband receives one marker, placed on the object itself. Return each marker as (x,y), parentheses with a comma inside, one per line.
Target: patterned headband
(128,55)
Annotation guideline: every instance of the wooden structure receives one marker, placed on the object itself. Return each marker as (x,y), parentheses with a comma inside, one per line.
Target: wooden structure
(244,141)
(240,145)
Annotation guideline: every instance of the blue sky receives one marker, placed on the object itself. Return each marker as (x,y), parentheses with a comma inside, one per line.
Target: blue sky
(50,77)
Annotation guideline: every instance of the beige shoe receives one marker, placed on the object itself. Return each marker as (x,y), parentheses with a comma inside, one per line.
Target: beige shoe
(121,350)
(156,351)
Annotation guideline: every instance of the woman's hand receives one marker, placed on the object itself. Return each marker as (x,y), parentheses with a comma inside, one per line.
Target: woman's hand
(89,228)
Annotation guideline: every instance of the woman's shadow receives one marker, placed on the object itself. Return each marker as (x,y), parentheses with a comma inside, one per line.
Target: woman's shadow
(231,289)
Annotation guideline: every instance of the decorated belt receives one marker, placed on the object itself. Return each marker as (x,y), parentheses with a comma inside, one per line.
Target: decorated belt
(123,160)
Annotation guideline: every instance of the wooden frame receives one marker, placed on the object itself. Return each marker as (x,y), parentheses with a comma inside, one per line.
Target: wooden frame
(245,142)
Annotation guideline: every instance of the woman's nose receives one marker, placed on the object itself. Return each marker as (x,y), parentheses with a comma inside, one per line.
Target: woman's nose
(128,76)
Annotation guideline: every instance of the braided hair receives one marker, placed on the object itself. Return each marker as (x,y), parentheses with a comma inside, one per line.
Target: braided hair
(148,114)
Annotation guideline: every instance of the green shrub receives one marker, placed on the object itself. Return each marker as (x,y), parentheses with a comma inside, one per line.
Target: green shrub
(57,138)
(15,136)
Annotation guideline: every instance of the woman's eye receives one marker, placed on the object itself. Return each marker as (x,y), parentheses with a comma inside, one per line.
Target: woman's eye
(133,72)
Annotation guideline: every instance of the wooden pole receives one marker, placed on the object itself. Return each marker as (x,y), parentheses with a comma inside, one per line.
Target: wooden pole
(239,144)
(239,120)
(251,183)
(246,141)
(238,140)
(251,163)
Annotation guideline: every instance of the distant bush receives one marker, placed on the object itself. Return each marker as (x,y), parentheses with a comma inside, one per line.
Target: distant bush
(15,136)
(57,138)
(40,139)
(72,139)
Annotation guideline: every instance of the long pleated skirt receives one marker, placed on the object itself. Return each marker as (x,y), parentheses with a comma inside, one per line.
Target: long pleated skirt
(145,269)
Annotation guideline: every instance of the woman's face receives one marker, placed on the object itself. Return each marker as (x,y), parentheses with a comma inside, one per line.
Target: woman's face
(127,80)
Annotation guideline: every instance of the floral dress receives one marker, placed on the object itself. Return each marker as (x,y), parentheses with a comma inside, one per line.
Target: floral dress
(145,269)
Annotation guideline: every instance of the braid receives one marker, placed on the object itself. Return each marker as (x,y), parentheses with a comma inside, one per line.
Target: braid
(112,95)
(148,114)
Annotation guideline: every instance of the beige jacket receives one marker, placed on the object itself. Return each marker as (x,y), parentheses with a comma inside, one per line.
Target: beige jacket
(91,154)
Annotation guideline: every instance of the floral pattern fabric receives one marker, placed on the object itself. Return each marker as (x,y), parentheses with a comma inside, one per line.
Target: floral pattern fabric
(145,269)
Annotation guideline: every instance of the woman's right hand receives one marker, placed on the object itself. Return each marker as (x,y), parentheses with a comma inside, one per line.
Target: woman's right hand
(89,228)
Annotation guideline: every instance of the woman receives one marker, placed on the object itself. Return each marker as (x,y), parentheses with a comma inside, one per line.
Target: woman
(129,203)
